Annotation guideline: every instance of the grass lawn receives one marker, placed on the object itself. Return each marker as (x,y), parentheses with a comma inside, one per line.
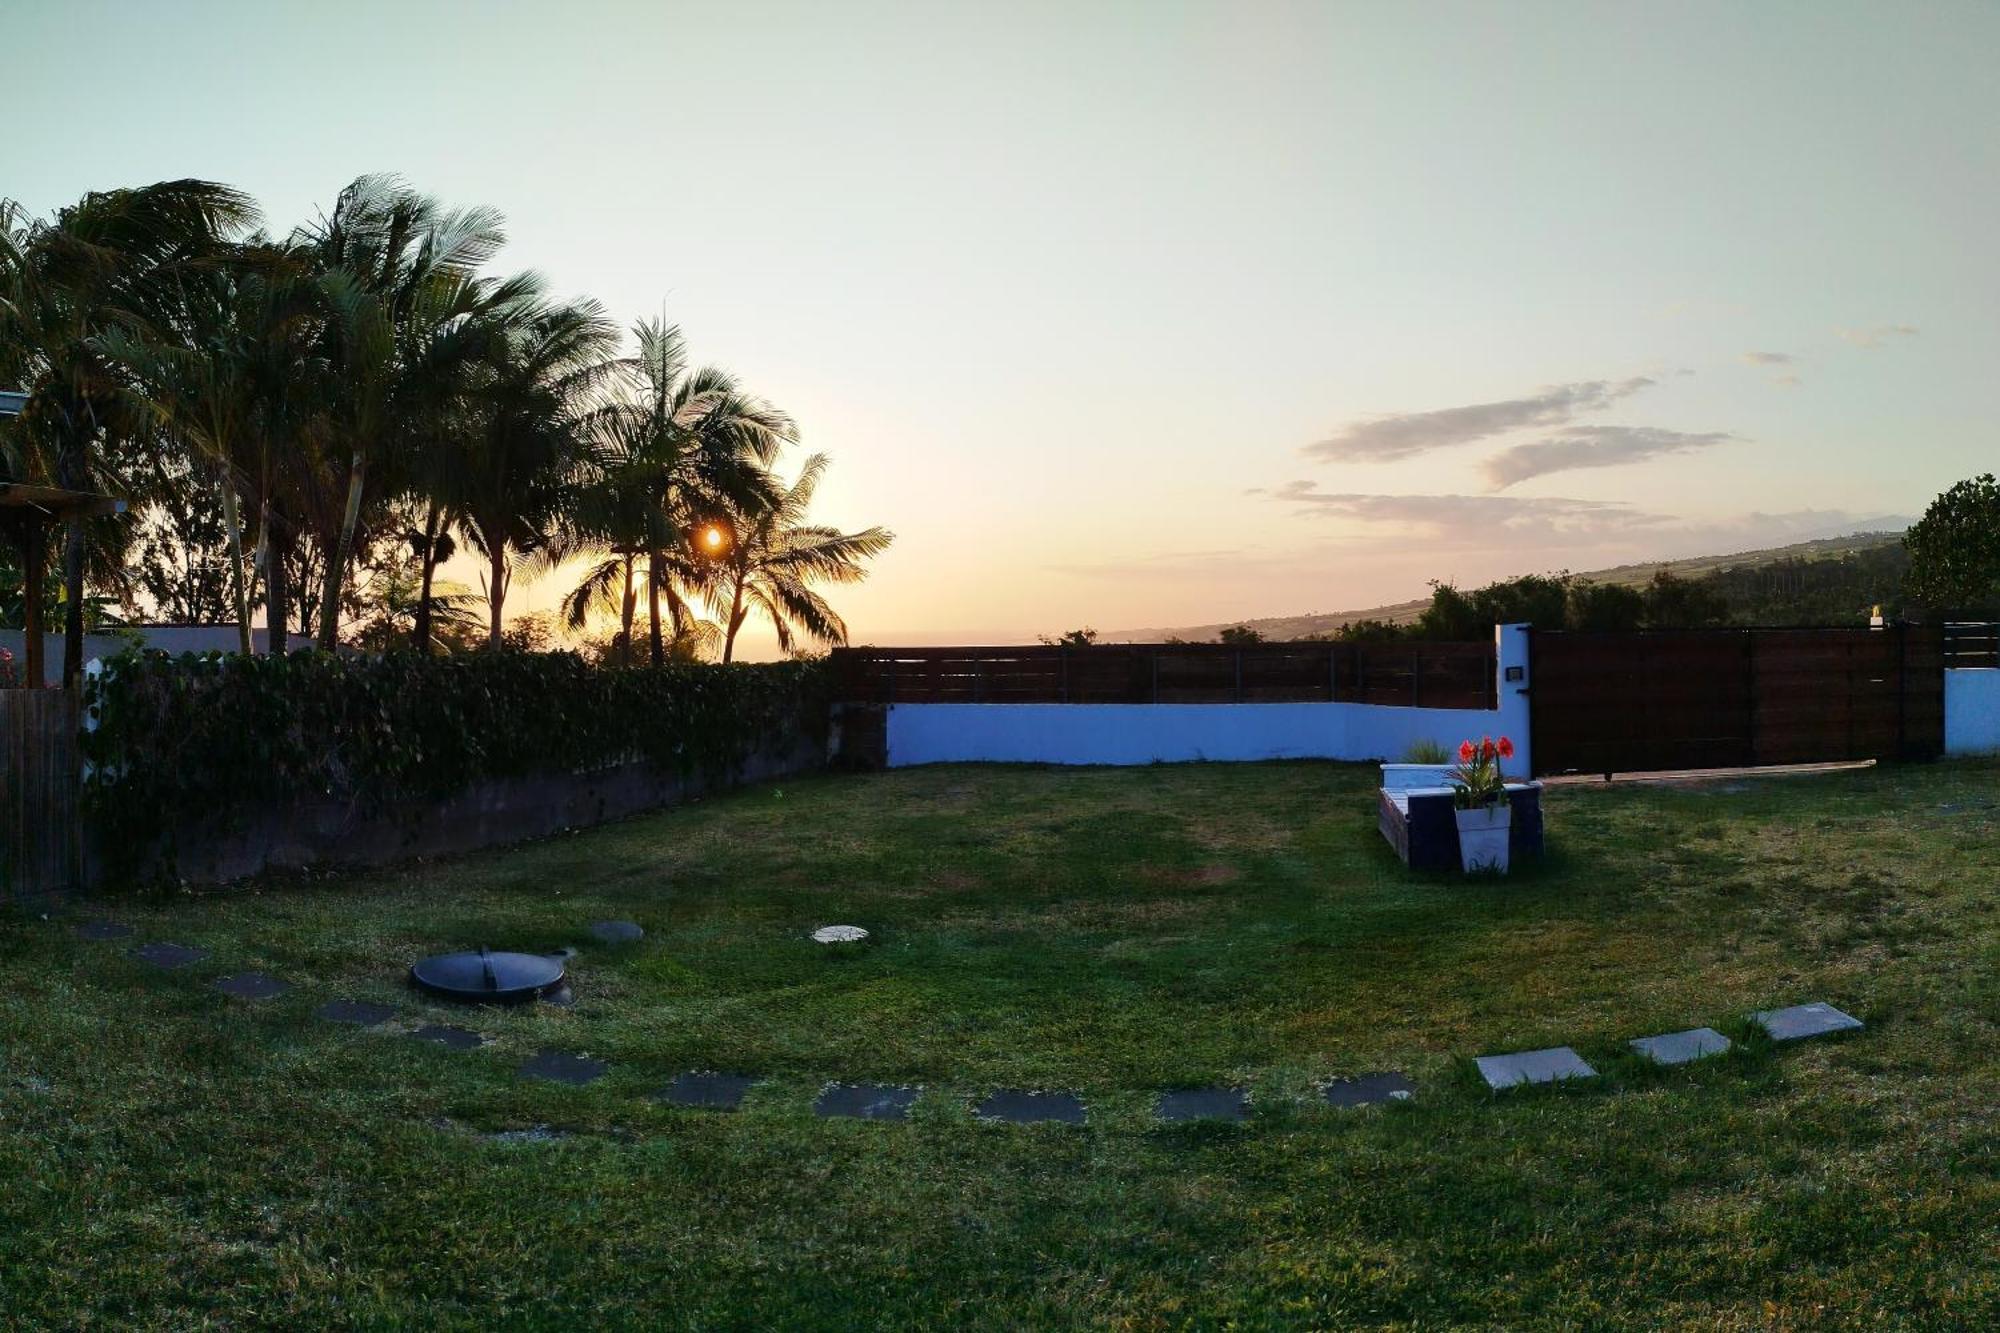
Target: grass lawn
(170,1157)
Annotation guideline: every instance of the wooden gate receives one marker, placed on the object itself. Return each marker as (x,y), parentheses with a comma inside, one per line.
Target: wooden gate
(38,794)
(1652,701)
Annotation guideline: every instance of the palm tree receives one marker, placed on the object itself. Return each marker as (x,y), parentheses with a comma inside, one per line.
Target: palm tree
(689,444)
(219,375)
(398,275)
(534,394)
(108,259)
(776,557)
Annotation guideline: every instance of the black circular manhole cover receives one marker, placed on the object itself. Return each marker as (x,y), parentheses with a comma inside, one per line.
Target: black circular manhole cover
(485,977)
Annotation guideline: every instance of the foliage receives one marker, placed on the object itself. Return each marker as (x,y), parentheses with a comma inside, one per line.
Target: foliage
(1477,780)
(1426,751)
(1604,606)
(181,740)
(1076,638)
(775,559)
(1239,634)
(279,413)
(1955,547)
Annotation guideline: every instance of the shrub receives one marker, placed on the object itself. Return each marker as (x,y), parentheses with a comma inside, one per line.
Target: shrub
(178,740)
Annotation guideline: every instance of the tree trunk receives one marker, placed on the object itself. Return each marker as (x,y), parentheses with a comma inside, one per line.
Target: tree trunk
(69,476)
(629,609)
(496,593)
(278,549)
(231,516)
(735,621)
(653,605)
(421,635)
(336,561)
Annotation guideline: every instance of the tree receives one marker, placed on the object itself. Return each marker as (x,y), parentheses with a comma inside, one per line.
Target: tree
(1605,607)
(1076,638)
(524,452)
(399,278)
(1673,602)
(1955,548)
(1239,634)
(686,447)
(776,557)
(109,259)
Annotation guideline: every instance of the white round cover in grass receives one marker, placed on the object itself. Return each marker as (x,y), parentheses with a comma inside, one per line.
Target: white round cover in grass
(839,935)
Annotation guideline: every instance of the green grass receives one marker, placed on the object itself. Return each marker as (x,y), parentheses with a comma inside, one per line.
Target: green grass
(171,1158)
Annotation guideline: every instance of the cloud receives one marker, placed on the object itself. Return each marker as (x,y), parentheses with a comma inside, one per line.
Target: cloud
(1485,518)
(1381,439)
(1768,358)
(1592,446)
(1788,381)
(1875,337)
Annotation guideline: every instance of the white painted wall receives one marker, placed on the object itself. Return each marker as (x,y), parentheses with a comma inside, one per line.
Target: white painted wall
(1172,733)
(1972,710)
(166,638)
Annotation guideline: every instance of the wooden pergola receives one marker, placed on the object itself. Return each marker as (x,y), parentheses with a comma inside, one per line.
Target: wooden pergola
(25,514)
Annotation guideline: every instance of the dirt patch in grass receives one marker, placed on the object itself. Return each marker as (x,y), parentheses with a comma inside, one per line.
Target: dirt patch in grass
(1206,876)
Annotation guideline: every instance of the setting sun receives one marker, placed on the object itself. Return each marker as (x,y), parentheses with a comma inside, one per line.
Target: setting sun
(712,537)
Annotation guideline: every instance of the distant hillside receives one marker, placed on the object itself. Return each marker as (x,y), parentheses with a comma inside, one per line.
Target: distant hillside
(1827,581)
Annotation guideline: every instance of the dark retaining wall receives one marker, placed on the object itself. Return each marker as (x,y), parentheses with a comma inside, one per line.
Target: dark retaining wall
(325,834)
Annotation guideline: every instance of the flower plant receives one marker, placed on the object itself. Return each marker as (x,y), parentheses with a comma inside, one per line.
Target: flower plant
(1477,777)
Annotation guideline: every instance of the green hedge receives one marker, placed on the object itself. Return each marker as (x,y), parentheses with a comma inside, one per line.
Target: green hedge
(186,740)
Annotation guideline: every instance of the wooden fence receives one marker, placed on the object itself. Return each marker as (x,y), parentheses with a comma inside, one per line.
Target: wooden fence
(38,794)
(1679,699)
(1422,675)
(1971,643)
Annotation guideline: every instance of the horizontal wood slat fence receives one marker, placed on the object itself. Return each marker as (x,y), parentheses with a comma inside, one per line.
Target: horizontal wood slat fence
(1679,699)
(1971,643)
(38,794)
(1422,675)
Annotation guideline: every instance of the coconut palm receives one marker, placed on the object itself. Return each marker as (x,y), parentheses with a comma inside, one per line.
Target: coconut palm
(775,557)
(219,377)
(534,394)
(687,444)
(399,276)
(107,260)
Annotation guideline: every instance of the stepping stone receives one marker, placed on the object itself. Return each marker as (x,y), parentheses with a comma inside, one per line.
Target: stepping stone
(1027,1108)
(708,1092)
(1804,1020)
(1680,1048)
(538,1134)
(251,986)
(458,1039)
(1548,1066)
(617,932)
(168,955)
(102,930)
(562,1067)
(840,935)
(364,1012)
(1204,1104)
(865,1101)
(1369,1090)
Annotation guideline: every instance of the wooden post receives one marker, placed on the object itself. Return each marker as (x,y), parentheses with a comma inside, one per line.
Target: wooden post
(1333,673)
(1239,675)
(32,673)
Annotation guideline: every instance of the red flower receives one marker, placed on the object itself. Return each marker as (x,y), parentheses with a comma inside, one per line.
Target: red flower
(1486,750)
(1466,752)
(1506,748)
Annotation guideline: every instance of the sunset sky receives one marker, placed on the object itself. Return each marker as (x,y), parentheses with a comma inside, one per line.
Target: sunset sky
(1154,314)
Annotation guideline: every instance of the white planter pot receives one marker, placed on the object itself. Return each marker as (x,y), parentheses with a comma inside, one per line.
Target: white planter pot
(1482,837)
